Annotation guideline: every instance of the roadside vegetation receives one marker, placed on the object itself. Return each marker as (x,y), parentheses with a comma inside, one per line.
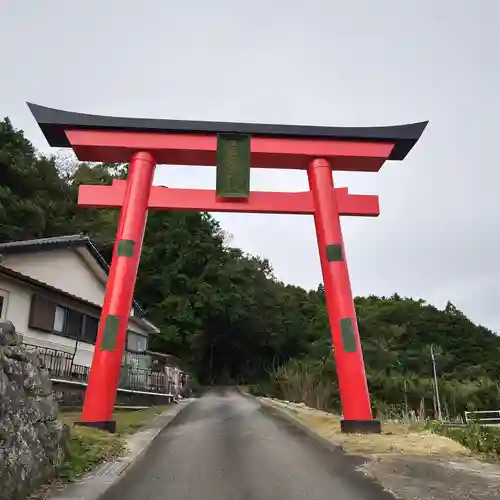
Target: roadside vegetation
(431,438)
(228,317)
(479,439)
(396,438)
(87,447)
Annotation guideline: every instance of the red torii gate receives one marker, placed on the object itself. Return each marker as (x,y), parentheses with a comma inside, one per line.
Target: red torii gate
(233,147)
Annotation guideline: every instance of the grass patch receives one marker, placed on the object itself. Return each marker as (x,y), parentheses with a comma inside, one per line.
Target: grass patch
(127,421)
(88,447)
(407,439)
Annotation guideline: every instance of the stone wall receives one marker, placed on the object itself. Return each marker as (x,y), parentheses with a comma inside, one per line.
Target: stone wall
(31,438)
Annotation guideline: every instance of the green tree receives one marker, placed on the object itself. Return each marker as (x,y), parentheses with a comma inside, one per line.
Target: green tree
(232,321)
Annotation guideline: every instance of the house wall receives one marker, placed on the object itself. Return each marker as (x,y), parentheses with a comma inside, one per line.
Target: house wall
(82,277)
(17,310)
(65,269)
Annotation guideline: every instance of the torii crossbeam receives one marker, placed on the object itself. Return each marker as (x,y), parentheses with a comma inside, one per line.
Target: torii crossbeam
(206,200)
(233,148)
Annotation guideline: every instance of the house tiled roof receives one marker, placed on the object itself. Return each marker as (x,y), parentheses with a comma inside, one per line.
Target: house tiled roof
(68,241)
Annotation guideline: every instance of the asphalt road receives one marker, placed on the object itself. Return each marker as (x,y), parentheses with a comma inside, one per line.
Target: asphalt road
(224,446)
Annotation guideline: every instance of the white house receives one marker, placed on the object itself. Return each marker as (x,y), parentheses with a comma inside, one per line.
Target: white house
(52,289)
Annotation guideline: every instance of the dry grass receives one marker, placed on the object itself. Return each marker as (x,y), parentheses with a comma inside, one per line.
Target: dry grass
(395,438)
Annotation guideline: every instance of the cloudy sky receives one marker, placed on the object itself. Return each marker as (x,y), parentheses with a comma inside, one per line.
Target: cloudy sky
(318,62)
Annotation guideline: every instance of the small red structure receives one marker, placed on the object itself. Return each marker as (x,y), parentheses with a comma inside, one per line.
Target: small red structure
(233,148)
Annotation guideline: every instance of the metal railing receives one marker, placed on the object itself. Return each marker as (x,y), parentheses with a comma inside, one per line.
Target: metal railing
(141,379)
(61,365)
(58,363)
(491,418)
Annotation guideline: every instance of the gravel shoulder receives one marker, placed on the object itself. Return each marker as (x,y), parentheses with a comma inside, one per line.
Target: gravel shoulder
(410,463)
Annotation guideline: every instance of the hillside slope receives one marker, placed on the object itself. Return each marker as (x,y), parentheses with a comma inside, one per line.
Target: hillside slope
(226,315)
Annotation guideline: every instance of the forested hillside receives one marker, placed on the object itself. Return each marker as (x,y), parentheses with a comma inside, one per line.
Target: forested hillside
(224,313)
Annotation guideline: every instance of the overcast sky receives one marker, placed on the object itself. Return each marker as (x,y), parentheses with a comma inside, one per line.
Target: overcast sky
(318,62)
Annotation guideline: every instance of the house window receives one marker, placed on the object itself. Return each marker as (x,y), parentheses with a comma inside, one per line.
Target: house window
(136,342)
(59,319)
(74,324)
(42,314)
(90,327)
(50,317)
(4,300)
(67,322)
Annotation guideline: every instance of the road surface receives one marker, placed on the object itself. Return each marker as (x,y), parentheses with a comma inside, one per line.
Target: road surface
(225,447)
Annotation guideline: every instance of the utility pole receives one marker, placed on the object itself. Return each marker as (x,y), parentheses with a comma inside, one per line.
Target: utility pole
(436,388)
(406,402)
(211,360)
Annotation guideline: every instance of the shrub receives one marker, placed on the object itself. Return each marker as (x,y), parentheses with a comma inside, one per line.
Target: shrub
(480,439)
